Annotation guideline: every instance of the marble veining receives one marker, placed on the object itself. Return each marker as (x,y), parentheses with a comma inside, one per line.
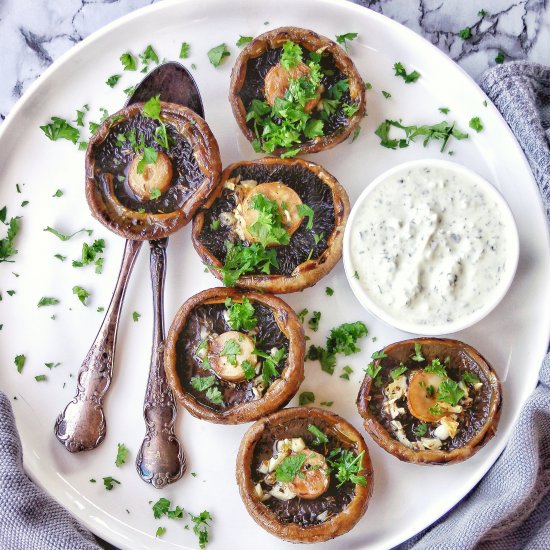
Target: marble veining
(34,33)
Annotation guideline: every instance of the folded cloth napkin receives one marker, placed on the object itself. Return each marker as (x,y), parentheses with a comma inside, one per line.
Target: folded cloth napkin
(507,510)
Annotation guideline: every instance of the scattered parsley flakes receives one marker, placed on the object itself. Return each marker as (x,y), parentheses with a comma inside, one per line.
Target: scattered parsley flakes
(417,356)
(121,455)
(345,38)
(136,316)
(58,193)
(305,211)
(128,61)
(444,110)
(320,437)
(200,527)
(52,365)
(112,80)
(81,293)
(215,225)
(217,54)
(149,55)
(347,466)
(450,392)
(241,314)
(7,249)
(306,397)
(45,301)
(109,482)
(326,403)
(499,59)
(243,40)
(184,50)
(289,468)
(90,255)
(387,95)
(476,124)
(20,362)
(313,323)
(482,13)
(202,383)
(421,430)
(347,371)
(40,378)
(63,237)
(160,532)
(465,33)
(469,378)
(59,128)
(437,368)
(302,314)
(397,372)
(329,291)
(407,77)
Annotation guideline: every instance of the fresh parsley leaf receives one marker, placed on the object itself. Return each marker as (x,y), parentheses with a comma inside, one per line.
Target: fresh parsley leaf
(58,193)
(347,371)
(242,315)
(306,397)
(81,293)
(214,395)
(289,468)
(270,363)
(40,378)
(202,383)
(356,133)
(243,40)
(387,95)
(148,156)
(268,227)
(128,61)
(347,467)
(435,410)
(302,314)
(59,128)
(482,13)
(397,372)
(155,193)
(291,55)
(112,80)
(161,507)
(469,378)
(160,531)
(407,77)
(63,237)
(152,108)
(136,316)
(437,368)
(149,55)
(326,358)
(248,369)
(90,255)
(421,430)
(217,54)
(417,356)
(373,370)
(499,59)
(121,455)
(200,527)
(326,403)
(343,339)
(184,50)
(304,211)
(345,38)
(7,249)
(450,392)
(329,291)
(215,225)
(45,301)
(465,33)
(231,349)
(20,362)
(313,323)
(476,124)
(320,437)
(444,110)
(109,482)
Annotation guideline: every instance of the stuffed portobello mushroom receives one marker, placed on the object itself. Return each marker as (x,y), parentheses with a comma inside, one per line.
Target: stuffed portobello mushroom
(274,225)
(304,474)
(232,357)
(430,400)
(149,167)
(293,91)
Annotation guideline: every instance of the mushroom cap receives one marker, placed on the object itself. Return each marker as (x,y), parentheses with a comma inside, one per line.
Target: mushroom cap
(434,348)
(106,205)
(335,526)
(313,42)
(307,273)
(280,392)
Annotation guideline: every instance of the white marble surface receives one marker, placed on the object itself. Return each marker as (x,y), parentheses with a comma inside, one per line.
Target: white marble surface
(34,33)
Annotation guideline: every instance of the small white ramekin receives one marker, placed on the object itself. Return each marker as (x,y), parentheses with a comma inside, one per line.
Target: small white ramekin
(463,322)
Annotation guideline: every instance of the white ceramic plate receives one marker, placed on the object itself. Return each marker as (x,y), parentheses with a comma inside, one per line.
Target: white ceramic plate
(406,498)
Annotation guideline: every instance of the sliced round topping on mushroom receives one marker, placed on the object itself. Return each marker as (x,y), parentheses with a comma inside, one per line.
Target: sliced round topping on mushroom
(231,354)
(312,480)
(421,395)
(150,180)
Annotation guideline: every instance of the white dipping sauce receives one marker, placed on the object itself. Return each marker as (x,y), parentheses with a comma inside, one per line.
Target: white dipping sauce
(429,245)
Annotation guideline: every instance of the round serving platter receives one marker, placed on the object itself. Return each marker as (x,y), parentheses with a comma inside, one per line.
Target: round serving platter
(406,497)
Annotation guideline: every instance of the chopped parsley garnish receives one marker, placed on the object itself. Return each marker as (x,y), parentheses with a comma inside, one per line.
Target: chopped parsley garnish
(378,355)
(121,455)
(81,293)
(241,260)
(304,211)
(469,378)
(45,301)
(128,61)
(347,371)
(465,33)
(215,225)
(313,323)
(184,50)
(373,370)
(306,397)
(160,531)
(217,54)
(231,349)
(63,237)
(268,228)
(444,110)
(326,403)
(6,244)
(241,314)
(421,430)
(214,395)
(90,255)
(109,482)
(20,362)
(154,193)
(136,316)
(435,410)
(289,468)
(418,357)
(52,365)
(476,124)
(162,508)
(407,77)
(437,368)
(243,40)
(248,369)
(327,359)
(397,372)
(356,275)
(148,56)
(329,291)
(320,437)
(112,80)
(441,131)
(499,59)
(345,38)
(450,392)
(58,193)
(482,13)
(347,466)
(40,378)
(302,314)
(291,56)
(59,128)
(387,95)
(200,527)
(270,363)
(356,133)
(152,109)
(202,383)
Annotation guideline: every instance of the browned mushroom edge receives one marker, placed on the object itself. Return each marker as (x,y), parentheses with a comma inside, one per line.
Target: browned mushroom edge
(196,170)
(264,52)
(277,324)
(293,422)
(477,423)
(316,188)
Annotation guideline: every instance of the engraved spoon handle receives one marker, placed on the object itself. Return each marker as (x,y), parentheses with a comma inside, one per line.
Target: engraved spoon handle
(81,426)
(160,460)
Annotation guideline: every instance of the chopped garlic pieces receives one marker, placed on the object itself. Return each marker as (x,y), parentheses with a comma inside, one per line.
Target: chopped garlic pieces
(397,388)
(432,444)
(282,491)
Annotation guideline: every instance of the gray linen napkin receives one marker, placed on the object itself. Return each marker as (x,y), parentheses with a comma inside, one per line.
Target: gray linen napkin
(507,510)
